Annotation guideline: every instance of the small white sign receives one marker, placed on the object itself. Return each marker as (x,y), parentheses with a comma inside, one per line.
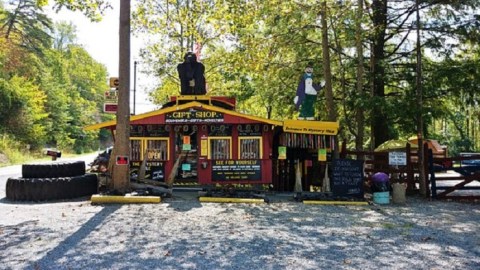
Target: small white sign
(397,158)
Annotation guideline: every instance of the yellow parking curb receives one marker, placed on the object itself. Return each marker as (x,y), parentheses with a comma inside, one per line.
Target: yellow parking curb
(229,200)
(335,202)
(124,199)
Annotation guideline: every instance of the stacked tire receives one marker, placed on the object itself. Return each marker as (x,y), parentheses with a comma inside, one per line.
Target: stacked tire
(52,181)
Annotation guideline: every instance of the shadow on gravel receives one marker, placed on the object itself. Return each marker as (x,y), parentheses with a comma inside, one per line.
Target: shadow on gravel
(178,201)
(60,251)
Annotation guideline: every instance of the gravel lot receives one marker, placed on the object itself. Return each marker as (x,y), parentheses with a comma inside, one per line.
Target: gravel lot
(182,233)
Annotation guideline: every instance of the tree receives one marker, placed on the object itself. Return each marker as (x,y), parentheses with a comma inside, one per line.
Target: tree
(359,115)
(93,9)
(121,148)
(64,34)
(26,26)
(332,114)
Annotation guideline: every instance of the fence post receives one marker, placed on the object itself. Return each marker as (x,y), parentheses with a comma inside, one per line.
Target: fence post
(432,174)
(343,153)
(425,166)
(410,176)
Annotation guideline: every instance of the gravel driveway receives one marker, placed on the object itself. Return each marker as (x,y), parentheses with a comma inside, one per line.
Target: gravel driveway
(182,233)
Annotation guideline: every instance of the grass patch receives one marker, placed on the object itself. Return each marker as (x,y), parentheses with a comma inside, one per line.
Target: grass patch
(389,226)
(13,152)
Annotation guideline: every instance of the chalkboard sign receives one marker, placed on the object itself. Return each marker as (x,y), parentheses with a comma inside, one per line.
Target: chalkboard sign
(347,178)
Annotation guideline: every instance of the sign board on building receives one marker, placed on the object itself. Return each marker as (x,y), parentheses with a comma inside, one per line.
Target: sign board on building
(232,170)
(311,127)
(194,117)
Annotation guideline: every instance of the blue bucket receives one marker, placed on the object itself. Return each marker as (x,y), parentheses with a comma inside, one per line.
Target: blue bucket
(381,197)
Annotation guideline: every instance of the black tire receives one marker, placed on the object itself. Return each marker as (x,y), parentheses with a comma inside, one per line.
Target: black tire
(53,170)
(44,189)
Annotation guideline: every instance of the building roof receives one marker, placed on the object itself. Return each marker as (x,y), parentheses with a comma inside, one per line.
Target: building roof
(182,107)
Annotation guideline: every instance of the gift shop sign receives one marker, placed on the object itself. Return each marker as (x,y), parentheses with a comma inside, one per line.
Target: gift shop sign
(194,117)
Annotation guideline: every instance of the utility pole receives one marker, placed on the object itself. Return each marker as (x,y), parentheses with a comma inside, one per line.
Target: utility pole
(120,161)
(134,84)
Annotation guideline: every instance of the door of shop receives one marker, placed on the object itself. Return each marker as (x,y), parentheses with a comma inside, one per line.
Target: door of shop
(186,141)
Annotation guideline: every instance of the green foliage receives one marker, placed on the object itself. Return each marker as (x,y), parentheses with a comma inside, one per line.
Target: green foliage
(93,9)
(254,51)
(26,25)
(49,94)
(257,50)
(15,151)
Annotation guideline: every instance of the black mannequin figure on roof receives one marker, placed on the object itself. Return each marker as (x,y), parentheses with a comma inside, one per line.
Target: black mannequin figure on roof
(191,73)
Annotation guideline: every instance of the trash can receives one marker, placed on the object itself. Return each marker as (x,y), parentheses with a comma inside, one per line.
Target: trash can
(381,188)
(398,192)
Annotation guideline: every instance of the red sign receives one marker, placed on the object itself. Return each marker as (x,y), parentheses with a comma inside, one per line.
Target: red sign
(122,160)
(110,107)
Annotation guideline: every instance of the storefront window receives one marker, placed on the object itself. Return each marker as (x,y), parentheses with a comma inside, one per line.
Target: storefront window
(157,149)
(220,148)
(250,148)
(135,149)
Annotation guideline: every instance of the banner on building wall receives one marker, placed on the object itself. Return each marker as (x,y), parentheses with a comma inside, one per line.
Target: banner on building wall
(311,127)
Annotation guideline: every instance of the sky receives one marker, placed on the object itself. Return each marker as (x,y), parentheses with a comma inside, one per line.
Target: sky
(100,39)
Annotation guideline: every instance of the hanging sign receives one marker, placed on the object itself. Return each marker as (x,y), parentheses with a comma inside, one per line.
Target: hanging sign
(186,147)
(186,139)
(204,147)
(186,167)
(282,152)
(397,158)
(322,154)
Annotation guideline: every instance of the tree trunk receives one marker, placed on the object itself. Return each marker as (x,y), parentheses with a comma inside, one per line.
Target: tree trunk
(120,173)
(379,118)
(421,153)
(360,117)
(332,115)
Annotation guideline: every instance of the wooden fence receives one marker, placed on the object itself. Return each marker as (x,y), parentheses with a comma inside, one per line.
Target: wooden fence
(440,185)
(378,162)
(453,186)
